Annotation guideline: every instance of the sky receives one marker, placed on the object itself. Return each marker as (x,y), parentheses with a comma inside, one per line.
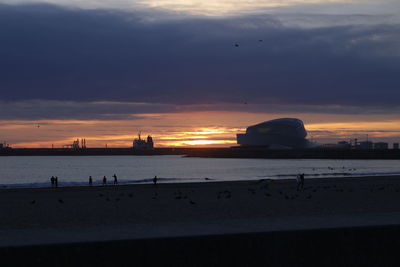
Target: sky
(196,72)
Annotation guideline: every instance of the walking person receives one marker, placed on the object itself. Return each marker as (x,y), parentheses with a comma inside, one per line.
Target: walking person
(90,181)
(56,181)
(115,179)
(155,180)
(52,181)
(104,180)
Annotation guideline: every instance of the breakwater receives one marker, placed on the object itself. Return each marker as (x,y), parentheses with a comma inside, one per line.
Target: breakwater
(233,152)
(91,152)
(295,154)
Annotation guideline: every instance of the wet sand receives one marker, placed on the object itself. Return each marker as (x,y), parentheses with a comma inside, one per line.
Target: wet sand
(77,214)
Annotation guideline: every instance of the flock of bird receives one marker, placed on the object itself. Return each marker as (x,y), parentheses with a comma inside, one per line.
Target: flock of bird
(237,44)
(262,188)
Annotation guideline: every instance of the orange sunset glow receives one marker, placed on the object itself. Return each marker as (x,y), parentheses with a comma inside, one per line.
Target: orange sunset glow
(191,129)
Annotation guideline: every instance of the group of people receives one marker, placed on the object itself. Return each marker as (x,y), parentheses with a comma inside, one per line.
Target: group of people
(104,180)
(300,181)
(54,181)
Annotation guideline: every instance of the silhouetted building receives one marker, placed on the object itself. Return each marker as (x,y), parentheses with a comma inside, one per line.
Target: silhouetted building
(139,143)
(365,145)
(343,144)
(381,145)
(331,146)
(77,144)
(4,146)
(284,133)
(150,143)
(395,145)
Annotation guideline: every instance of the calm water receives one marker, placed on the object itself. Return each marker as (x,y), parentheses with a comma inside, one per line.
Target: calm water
(36,171)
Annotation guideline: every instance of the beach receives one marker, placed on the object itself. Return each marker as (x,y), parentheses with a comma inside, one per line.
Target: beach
(143,209)
(239,217)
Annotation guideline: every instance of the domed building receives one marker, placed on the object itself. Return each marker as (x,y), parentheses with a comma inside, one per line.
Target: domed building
(284,133)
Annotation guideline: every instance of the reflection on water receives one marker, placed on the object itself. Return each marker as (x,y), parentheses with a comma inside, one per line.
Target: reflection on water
(36,171)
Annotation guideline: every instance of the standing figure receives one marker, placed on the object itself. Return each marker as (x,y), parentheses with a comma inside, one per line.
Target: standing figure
(104,180)
(298,179)
(115,179)
(302,180)
(90,181)
(52,180)
(155,180)
(56,181)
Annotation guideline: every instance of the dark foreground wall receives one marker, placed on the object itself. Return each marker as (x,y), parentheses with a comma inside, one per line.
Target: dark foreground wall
(364,246)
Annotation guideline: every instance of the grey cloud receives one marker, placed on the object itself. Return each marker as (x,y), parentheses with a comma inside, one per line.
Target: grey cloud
(231,7)
(321,20)
(370,7)
(62,110)
(78,110)
(51,53)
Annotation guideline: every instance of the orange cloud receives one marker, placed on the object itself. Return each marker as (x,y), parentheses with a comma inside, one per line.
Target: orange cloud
(189,129)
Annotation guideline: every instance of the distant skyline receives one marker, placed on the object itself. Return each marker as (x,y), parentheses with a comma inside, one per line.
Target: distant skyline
(105,70)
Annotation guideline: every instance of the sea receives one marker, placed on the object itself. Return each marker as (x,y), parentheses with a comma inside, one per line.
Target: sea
(35,171)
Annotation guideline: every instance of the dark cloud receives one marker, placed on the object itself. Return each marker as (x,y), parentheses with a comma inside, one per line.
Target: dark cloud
(80,110)
(51,53)
(70,110)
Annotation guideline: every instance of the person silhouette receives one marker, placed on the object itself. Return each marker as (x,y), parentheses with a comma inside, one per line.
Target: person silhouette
(56,181)
(298,179)
(90,181)
(155,180)
(104,180)
(52,181)
(115,179)
(302,180)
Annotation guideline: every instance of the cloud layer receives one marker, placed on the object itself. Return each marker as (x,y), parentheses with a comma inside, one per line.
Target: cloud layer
(75,58)
(230,7)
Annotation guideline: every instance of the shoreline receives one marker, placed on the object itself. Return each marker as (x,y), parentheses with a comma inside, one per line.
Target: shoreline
(206,181)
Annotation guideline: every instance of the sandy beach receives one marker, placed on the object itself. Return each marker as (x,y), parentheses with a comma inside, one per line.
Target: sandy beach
(73,214)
